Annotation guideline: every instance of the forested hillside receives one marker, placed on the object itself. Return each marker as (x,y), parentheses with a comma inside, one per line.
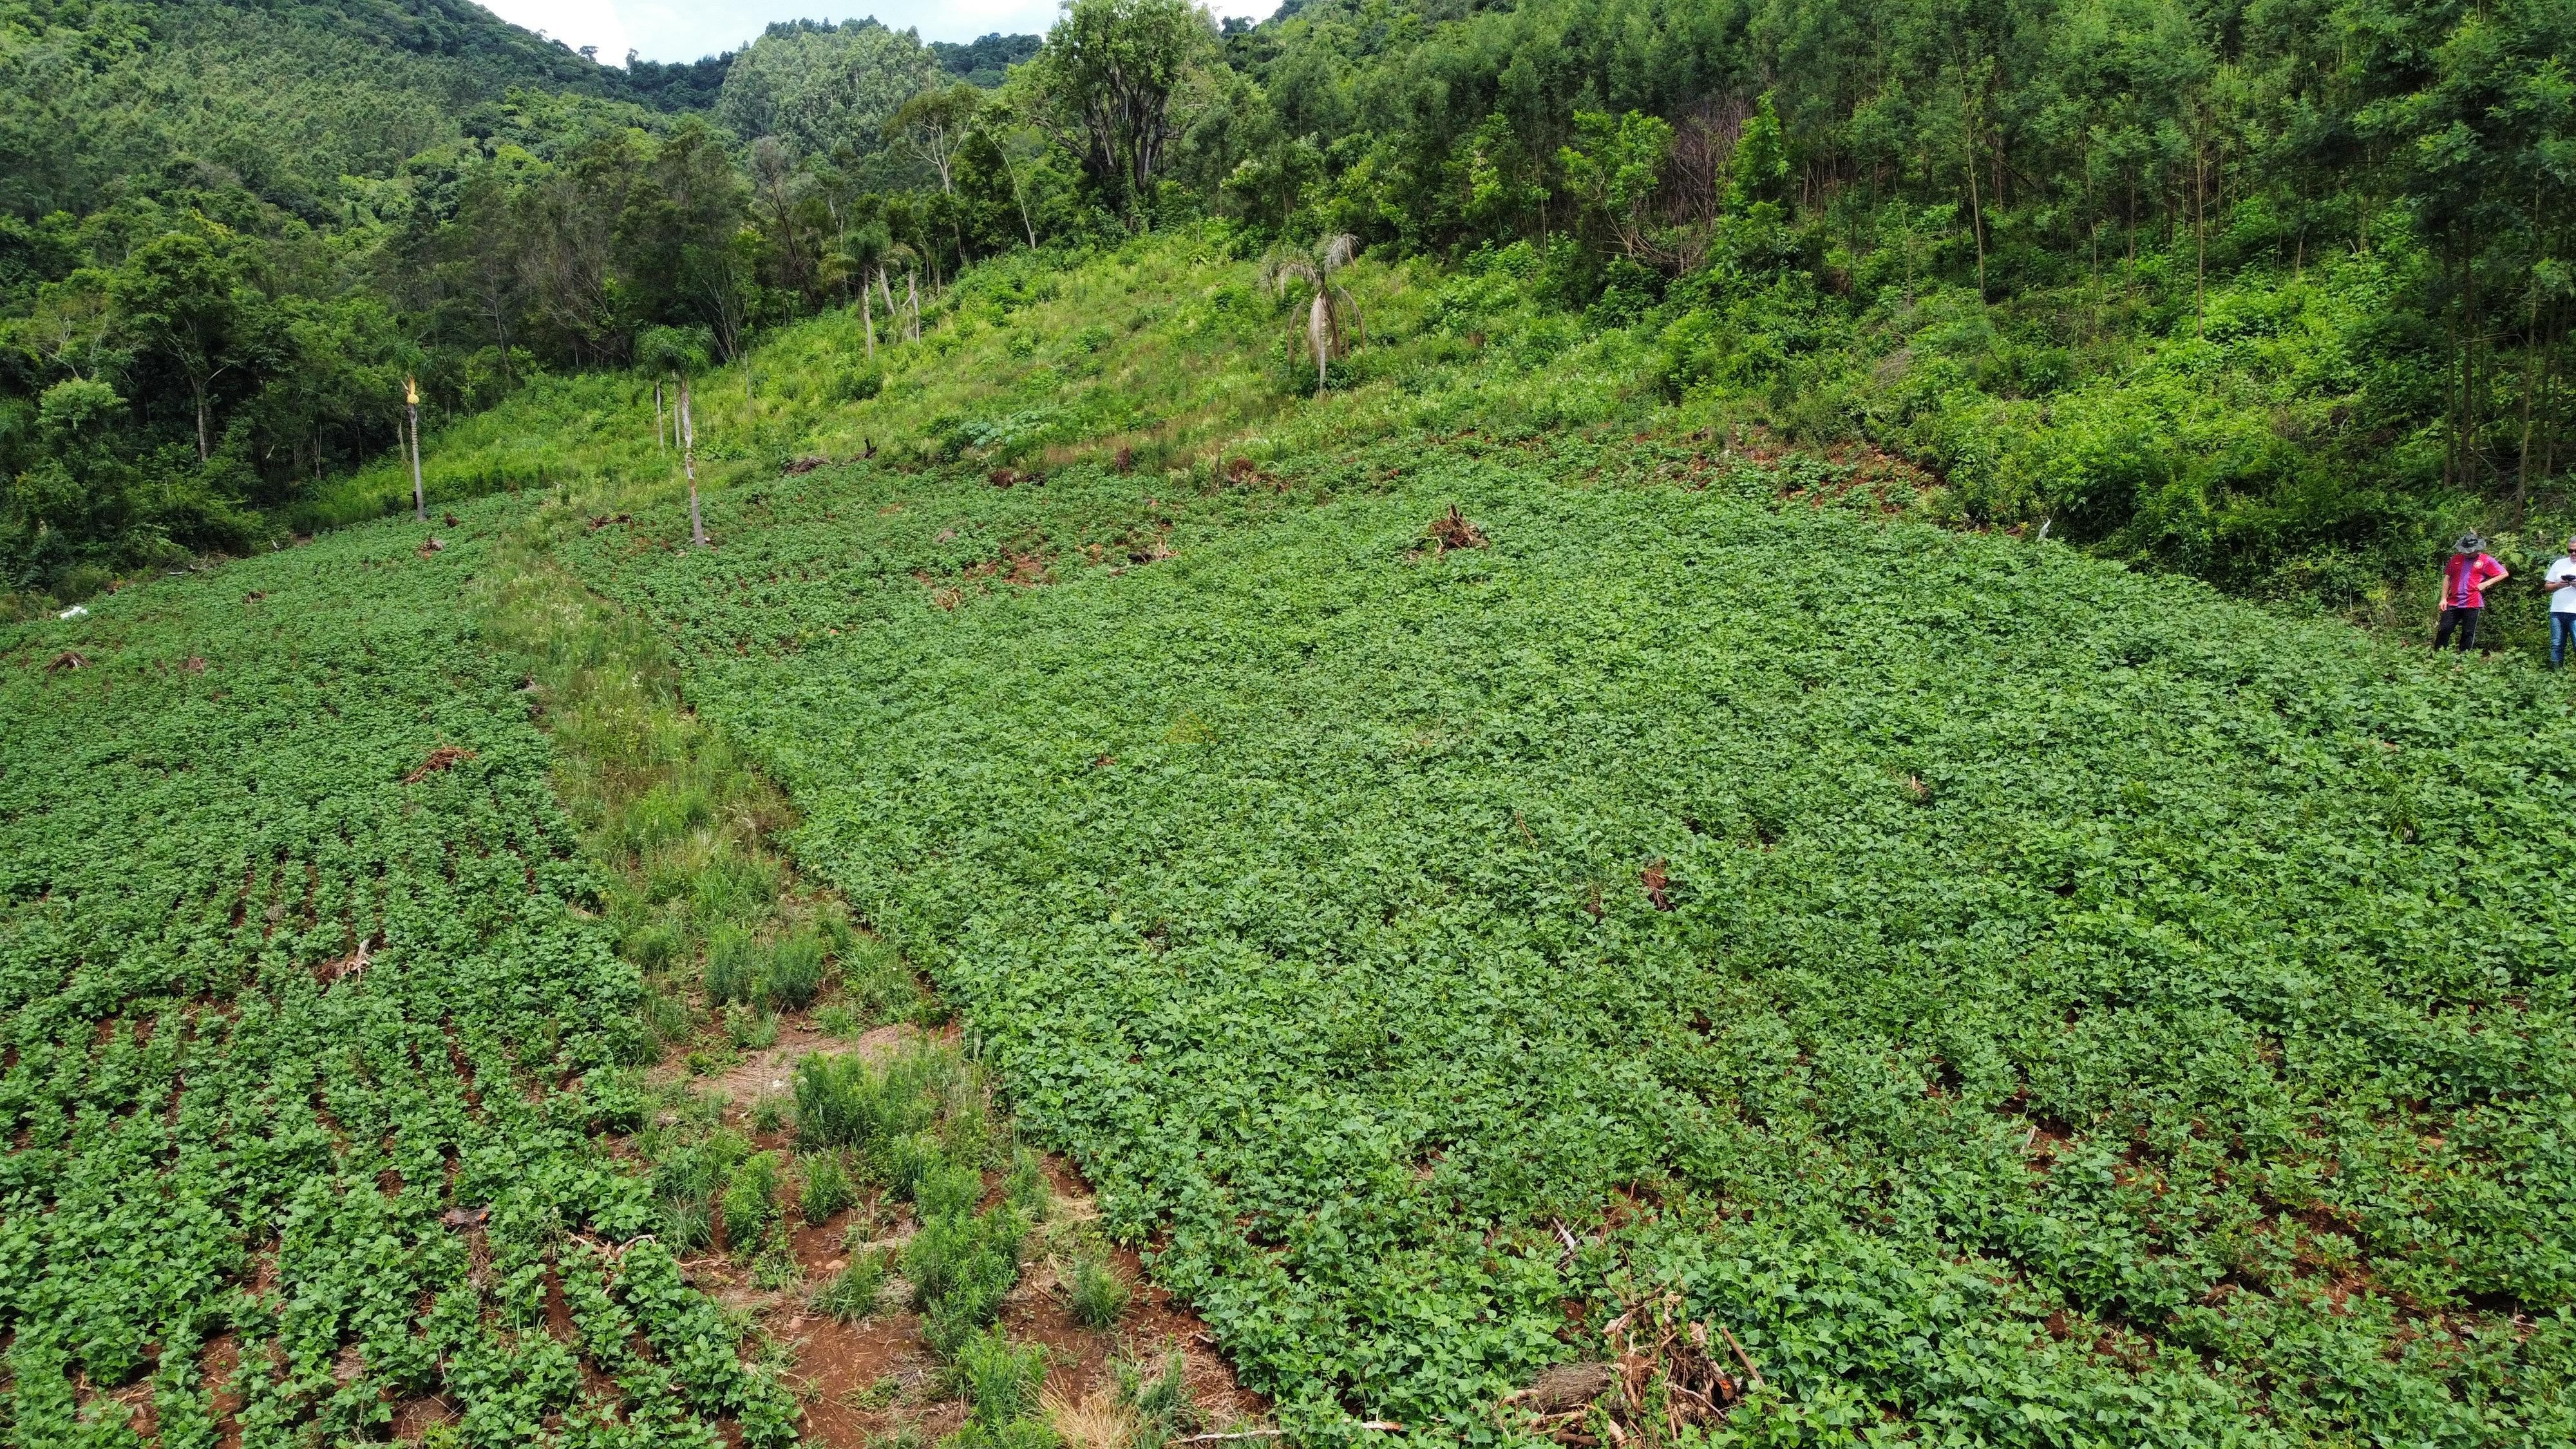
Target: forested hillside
(2271,294)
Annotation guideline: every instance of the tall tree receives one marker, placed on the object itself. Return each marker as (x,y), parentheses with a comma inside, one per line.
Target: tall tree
(176,294)
(1112,67)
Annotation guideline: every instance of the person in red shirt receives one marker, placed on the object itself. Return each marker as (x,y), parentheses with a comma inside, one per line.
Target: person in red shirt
(2464,591)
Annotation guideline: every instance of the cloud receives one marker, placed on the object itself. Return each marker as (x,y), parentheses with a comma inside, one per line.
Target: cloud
(574,22)
(669,30)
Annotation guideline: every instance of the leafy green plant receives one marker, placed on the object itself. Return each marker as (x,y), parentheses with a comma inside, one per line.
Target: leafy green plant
(311,886)
(2031,745)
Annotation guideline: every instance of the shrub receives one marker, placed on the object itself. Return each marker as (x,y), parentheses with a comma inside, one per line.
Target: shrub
(826,1189)
(769,1114)
(690,1174)
(947,1190)
(1027,1189)
(665,1020)
(733,888)
(794,973)
(961,1269)
(902,1162)
(1018,1434)
(1157,1392)
(776,1268)
(659,816)
(685,1227)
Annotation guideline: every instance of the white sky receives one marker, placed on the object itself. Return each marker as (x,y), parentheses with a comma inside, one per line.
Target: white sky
(686,29)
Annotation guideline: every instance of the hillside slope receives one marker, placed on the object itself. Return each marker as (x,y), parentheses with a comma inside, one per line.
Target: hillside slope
(2003,990)
(2020,1000)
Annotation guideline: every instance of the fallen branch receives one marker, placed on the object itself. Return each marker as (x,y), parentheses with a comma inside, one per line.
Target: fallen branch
(1746,1359)
(1384,1426)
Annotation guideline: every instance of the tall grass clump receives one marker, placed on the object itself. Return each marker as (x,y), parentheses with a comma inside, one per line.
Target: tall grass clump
(751,1203)
(826,1189)
(854,1292)
(844,1101)
(793,975)
(1001,1382)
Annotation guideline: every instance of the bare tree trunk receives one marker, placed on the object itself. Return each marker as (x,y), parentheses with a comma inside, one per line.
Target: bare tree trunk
(202,454)
(2469,357)
(2199,236)
(867,318)
(1976,209)
(2530,384)
(1013,172)
(658,445)
(419,496)
(689,464)
(912,299)
(1319,335)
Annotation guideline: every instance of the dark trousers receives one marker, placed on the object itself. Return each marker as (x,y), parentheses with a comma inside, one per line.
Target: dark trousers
(2464,620)
(2562,629)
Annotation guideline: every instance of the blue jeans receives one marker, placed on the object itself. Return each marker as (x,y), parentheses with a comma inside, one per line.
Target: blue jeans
(2562,628)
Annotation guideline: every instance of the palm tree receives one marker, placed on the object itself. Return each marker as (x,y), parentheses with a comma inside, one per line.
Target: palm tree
(1314,266)
(862,255)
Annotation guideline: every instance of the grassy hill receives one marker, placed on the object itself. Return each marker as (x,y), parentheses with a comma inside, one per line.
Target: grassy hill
(2020,1000)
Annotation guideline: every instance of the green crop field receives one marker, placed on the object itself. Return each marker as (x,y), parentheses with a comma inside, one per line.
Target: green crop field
(1568,724)
(2026,1002)
(307,1025)
(2022,1001)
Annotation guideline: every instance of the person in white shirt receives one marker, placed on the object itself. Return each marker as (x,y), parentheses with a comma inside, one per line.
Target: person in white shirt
(2560,581)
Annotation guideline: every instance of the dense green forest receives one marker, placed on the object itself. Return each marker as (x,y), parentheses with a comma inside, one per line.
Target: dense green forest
(2274,293)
